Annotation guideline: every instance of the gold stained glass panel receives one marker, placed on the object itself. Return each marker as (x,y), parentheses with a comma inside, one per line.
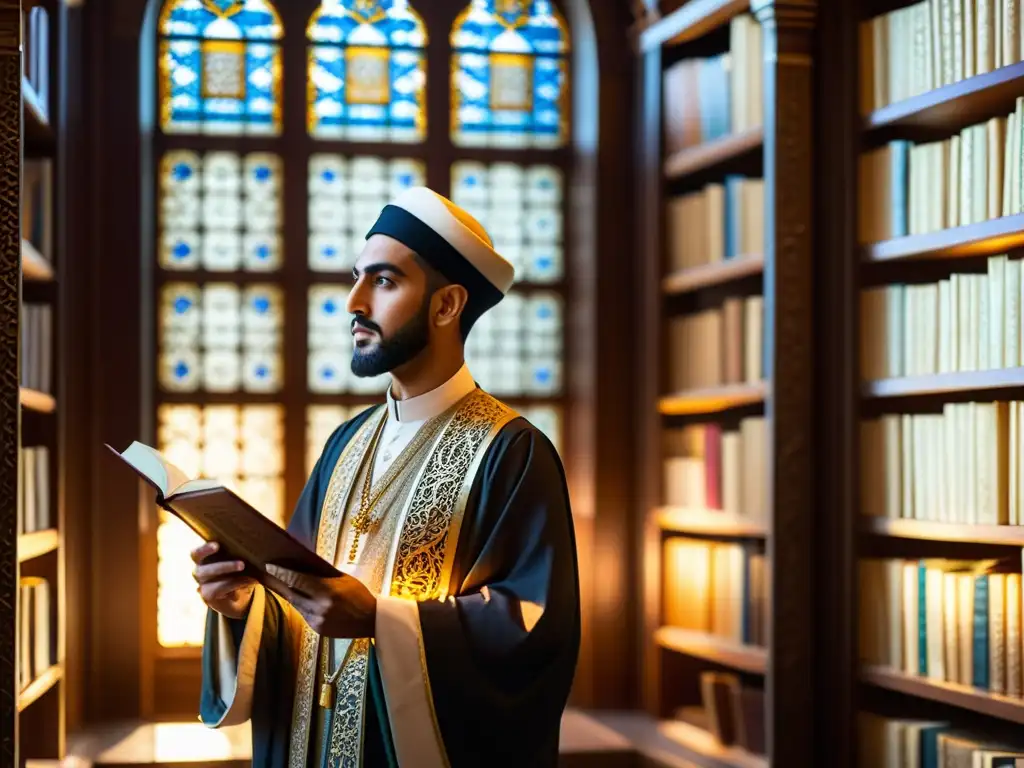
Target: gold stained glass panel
(241,446)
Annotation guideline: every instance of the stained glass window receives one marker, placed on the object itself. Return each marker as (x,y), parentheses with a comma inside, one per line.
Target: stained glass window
(330,346)
(547,418)
(367,71)
(220,337)
(241,447)
(509,74)
(321,421)
(521,209)
(220,211)
(346,194)
(220,67)
(515,349)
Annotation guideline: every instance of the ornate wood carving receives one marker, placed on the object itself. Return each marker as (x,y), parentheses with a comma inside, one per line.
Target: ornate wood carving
(10,409)
(788,27)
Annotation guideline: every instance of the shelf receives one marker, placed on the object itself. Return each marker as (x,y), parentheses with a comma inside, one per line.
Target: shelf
(690,21)
(674,744)
(36,120)
(711,275)
(37,401)
(713,400)
(34,267)
(986,238)
(953,107)
(922,530)
(720,650)
(710,522)
(963,696)
(34,690)
(36,544)
(704,156)
(946,383)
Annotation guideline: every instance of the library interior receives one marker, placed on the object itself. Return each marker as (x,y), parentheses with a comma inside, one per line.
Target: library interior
(768,309)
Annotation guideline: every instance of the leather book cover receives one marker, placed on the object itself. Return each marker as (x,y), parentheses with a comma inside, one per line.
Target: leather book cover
(218,514)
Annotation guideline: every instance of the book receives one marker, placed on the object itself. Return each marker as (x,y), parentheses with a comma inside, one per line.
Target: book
(216,513)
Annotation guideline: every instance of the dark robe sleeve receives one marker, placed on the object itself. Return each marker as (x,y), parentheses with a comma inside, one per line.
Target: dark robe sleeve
(501,654)
(249,664)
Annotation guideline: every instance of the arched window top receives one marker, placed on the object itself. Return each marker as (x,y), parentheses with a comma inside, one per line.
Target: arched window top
(375,23)
(220,67)
(221,20)
(367,71)
(511,26)
(510,79)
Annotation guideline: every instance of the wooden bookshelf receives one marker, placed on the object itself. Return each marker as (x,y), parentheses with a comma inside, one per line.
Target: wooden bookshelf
(1008,708)
(37,544)
(966,115)
(689,22)
(923,530)
(712,275)
(675,744)
(713,399)
(41,685)
(954,106)
(1000,380)
(777,397)
(709,522)
(33,256)
(982,239)
(713,153)
(720,650)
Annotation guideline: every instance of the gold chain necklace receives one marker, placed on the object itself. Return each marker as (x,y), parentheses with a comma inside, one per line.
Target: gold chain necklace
(364,519)
(363,522)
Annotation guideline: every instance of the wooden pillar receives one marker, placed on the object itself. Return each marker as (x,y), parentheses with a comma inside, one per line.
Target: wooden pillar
(788,41)
(10,408)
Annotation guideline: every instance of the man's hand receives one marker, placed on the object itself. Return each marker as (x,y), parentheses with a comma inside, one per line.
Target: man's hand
(220,584)
(339,607)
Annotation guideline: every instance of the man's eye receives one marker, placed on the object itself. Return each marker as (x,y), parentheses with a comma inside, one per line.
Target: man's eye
(382,280)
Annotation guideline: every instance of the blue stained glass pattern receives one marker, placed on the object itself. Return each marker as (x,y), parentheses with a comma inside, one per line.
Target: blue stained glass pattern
(346,194)
(521,209)
(220,337)
(220,67)
(367,71)
(220,211)
(509,75)
(515,349)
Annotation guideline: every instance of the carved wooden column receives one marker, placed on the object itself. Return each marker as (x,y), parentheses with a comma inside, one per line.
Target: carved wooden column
(788,40)
(10,408)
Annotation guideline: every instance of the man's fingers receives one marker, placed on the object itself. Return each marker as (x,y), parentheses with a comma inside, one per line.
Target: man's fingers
(301,602)
(298,582)
(217,590)
(204,550)
(210,571)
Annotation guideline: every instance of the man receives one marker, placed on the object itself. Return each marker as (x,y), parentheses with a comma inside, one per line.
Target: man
(453,636)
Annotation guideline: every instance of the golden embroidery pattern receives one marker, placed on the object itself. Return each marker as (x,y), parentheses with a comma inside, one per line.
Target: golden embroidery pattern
(419,564)
(338,490)
(346,749)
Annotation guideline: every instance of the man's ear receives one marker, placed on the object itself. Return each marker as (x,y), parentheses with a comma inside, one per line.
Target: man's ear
(449,302)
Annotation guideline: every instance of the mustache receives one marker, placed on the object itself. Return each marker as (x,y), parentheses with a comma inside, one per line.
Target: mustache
(365,323)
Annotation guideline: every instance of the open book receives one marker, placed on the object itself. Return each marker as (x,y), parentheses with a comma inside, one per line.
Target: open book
(218,514)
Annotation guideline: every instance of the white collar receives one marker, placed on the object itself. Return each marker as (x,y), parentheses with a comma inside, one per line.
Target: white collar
(434,402)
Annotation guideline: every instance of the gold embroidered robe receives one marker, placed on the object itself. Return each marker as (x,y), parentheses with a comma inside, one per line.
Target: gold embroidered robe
(477,628)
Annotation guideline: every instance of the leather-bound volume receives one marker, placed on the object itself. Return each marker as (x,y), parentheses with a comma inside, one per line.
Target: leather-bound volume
(217,513)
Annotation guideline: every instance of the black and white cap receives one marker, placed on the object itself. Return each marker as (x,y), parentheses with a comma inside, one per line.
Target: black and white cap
(451,240)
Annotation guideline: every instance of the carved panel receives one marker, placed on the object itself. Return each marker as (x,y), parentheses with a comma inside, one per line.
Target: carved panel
(10,409)
(787,28)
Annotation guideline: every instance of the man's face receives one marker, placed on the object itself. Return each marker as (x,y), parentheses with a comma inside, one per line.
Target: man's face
(390,306)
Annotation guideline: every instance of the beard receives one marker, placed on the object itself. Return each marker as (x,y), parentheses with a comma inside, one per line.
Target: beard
(389,353)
